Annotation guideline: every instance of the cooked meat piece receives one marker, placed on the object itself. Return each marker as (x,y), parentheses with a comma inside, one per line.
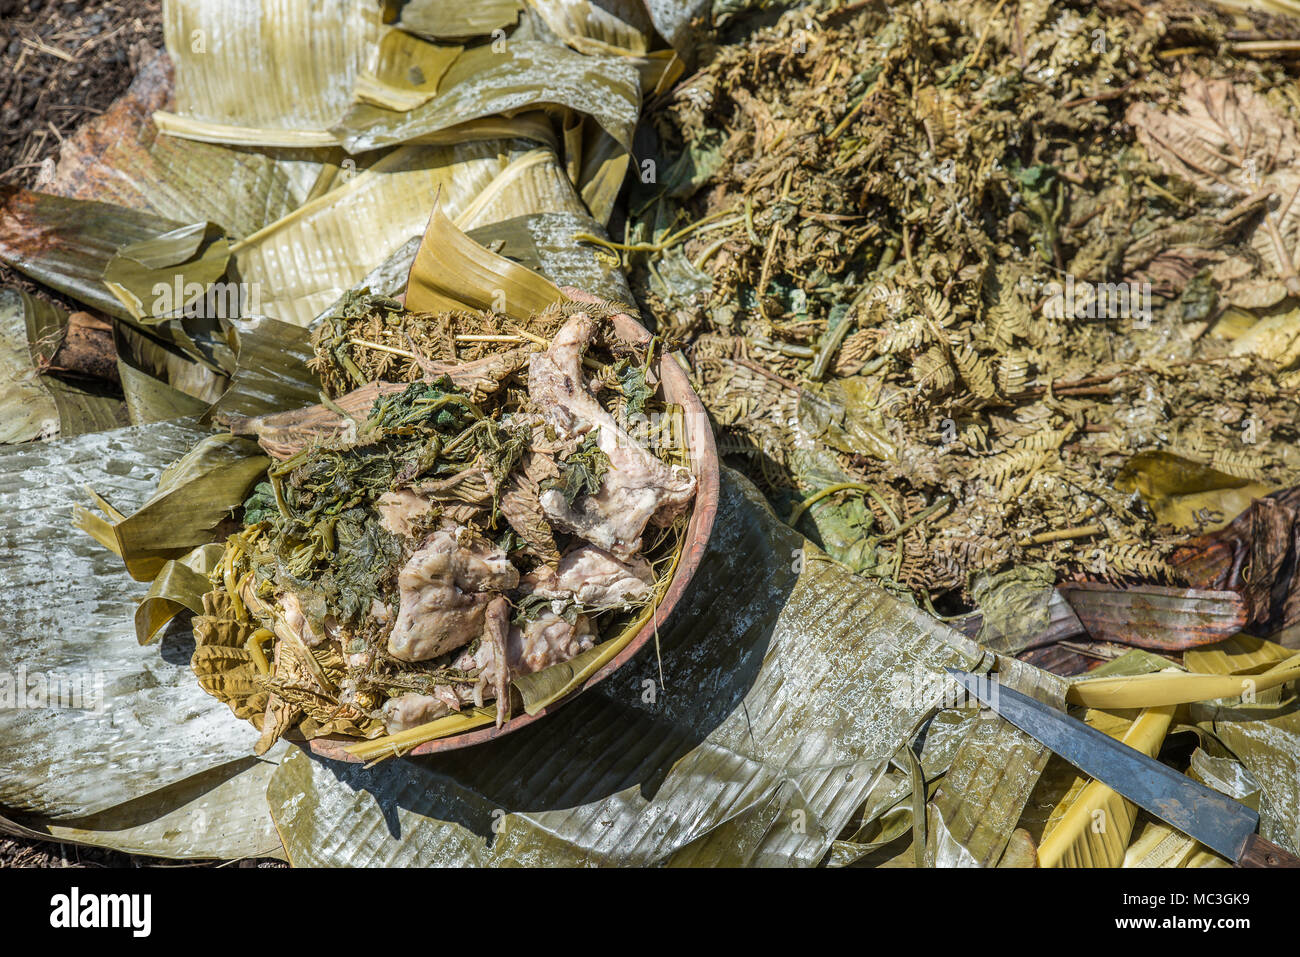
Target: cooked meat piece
(444,590)
(637,488)
(594,578)
(412,709)
(297,621)
(401,510)
(495,636)
(547,640)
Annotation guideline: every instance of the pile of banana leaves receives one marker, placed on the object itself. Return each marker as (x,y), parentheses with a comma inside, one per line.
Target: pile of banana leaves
(482,156)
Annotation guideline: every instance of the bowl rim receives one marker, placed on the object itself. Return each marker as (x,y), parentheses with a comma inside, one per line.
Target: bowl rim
(705,467)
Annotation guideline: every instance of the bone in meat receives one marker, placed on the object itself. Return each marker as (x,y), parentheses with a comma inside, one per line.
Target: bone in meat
(637,487)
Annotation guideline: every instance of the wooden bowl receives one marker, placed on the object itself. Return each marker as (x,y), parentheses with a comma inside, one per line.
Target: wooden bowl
(704,464)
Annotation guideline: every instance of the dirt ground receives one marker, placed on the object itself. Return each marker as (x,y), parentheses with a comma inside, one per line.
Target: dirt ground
(61,64)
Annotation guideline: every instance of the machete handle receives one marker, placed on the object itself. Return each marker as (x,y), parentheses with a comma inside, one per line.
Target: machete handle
(1261,853)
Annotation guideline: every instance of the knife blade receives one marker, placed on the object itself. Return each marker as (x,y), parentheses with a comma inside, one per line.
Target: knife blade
(1214,819)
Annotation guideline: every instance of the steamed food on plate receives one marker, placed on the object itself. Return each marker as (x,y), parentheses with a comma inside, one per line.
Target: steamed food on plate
(471,502)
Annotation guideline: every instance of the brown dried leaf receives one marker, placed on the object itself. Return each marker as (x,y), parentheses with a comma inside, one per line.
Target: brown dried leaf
(1229,140)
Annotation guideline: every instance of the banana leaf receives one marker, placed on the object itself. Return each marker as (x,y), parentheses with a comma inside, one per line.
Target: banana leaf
(406,72)
(1091,825)
(543,242)
(451,271)
(272,373)
(304,262)
(67,243)
(27,410)
(982,797)
(1156,844)
(119,157)
(179,585)
(487,81)
(676,20)
(149,399)
(440,19)
(33,405)
(1179,687)
(192,257)
(621,28)
(752,737)
(195,493)
(144,724)
(244,75)
(1265,739)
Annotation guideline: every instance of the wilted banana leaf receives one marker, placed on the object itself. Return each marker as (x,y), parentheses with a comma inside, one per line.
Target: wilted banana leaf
(67,243)
(27,410)
(751,738)
(1253,556)
(43,406)
(217,813)
(195,493)
(189,258)
(1017,607)
(674,20)
(451,271)
(119,157)
(406,72)
(619,28)
(304,262)
(981,799)
(143,723)
(1179,490)
(543,242)
(1238,655)
(163,379)
(243,76)
(180,585)
(1155,616)
(1092,824)
(489,81)
(1266,740)
(441,19)
(272,373)
(1156,844)
(149,399)
(1179,687)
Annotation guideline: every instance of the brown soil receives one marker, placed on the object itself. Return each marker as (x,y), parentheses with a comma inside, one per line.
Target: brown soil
(60,65)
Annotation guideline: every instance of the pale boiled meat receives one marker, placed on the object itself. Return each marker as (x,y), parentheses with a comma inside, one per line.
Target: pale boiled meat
(444,591)
(637,488)
(594,578)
